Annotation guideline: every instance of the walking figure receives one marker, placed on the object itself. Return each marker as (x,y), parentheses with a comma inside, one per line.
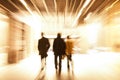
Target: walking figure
(59,47)
(69,51)
(43,46)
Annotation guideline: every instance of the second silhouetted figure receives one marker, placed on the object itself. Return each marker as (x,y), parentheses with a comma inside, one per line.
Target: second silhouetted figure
(59,47)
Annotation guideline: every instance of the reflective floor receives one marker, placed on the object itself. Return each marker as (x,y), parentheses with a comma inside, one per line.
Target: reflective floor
(89,66)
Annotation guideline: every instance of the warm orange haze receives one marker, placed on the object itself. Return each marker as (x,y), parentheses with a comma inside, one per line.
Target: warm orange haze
(92,25)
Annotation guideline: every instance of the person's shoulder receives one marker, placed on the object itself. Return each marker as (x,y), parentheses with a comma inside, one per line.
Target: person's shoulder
(56,39)
(39,39)
(45,38)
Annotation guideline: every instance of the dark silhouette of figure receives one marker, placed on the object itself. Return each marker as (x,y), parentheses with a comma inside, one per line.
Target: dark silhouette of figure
(59,47)
(43,46)
(69,51)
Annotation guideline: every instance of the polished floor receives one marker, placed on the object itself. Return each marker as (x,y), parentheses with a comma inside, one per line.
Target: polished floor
(93,65)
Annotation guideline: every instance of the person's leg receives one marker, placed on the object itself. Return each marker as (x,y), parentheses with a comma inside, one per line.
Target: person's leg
(45,56)
(55,57)
(42,62)
(71,61)
(60,62)
(68,58)
(45,61)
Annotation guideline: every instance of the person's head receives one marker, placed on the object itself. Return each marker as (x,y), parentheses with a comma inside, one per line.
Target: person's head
(42,34)
(68,37)
(59,35)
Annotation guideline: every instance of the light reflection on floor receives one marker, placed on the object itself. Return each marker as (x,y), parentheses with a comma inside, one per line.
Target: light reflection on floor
(89,66)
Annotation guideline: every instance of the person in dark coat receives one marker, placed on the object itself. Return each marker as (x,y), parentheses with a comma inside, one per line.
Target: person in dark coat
(59,48)
(43,46)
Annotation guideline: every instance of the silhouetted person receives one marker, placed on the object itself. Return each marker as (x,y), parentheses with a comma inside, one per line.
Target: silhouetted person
(59,47)
(69,51)
(43,46)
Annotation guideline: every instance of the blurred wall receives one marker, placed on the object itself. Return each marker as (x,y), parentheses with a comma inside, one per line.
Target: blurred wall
(4,30)
(110,33)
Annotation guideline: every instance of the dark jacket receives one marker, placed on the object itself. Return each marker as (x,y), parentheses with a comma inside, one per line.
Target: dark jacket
(43,46)
(59,46)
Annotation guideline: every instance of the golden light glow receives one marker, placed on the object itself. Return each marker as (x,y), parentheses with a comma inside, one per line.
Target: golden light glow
(92,32)
(26,6)
(80,12)
(96,39)
(108,8)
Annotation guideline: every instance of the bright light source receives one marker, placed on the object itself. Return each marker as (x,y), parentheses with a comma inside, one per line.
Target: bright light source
(92,32)
(80,12)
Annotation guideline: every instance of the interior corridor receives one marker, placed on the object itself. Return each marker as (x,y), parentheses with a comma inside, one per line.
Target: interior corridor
(93,26)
